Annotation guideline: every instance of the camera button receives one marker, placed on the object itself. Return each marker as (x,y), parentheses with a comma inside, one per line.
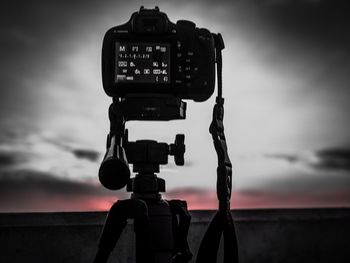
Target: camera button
(178,44)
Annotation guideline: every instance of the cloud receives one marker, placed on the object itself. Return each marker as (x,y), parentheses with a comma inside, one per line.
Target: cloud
(10,157)
(333,159)
(29,190)
(327,159)
(22,182)
(36,39)
(90,155)
(48,153)
(77,151)
(304,41)
(7,159)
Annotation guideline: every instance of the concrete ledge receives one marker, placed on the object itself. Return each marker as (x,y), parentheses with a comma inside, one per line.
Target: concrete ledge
(273,235)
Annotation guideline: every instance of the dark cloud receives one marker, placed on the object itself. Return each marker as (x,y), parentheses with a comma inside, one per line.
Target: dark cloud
(35,36)
(333,159)
(310,38)
(80,153)
(300,182)
(90,155)
(11,158)
(322,25)
(7,159)
(28,190)
(330,159)
(27,181)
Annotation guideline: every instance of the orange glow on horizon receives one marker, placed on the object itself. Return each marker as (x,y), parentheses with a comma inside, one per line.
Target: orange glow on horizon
(196,200)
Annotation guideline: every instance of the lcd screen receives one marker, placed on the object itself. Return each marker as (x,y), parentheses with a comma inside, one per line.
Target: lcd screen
(142,62)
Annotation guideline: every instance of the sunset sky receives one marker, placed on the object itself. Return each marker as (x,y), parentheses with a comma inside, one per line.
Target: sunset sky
(286,75)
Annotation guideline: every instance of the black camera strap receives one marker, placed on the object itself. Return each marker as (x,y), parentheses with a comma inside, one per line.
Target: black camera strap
(222,223)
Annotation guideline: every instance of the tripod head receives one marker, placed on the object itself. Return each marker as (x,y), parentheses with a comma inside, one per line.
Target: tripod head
(145,155)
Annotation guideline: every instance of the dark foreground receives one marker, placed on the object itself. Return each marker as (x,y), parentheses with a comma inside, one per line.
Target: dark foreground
(273,235)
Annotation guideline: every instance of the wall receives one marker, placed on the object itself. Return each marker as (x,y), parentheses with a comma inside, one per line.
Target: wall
(276,235)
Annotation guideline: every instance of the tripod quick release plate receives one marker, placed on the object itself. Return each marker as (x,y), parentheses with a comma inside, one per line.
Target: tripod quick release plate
(152,107)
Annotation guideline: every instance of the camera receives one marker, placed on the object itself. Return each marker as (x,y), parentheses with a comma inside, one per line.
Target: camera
(151,57)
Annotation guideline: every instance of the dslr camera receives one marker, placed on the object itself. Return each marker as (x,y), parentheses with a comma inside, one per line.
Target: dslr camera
(154,63)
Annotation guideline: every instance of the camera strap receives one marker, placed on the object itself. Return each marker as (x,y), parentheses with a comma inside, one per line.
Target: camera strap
(222,223)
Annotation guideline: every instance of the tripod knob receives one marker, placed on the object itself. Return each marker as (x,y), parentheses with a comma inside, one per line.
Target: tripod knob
(178,149)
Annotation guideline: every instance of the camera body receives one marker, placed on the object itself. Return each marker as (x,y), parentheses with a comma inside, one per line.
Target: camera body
(150,55)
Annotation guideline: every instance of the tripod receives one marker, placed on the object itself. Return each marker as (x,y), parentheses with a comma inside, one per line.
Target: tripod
(160,226)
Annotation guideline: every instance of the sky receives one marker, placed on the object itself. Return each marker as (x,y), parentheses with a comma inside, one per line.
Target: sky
(286,75)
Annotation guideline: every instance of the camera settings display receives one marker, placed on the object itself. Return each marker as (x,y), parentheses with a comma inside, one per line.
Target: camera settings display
(142,62)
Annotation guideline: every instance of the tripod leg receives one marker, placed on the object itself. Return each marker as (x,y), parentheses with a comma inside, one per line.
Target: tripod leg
(116,222)
(114,225)
(181,224)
